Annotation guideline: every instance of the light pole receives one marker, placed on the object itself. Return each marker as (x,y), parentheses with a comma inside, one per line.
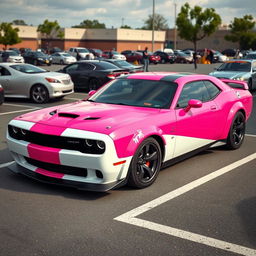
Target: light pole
(175,28)
(153,26)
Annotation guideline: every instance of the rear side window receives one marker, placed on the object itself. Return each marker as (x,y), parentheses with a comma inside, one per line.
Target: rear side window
(212,89)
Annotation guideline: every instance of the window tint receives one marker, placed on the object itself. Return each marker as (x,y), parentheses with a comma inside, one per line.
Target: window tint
(85,66)
(213,90)
(194,90)
(71,68)
(4,72)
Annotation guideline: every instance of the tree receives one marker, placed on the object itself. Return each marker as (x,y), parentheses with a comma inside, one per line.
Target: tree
(90,24)
(19,23)
(50,29)
(160,23)
(242,32)
(8,35)
(195,24)
(125,26)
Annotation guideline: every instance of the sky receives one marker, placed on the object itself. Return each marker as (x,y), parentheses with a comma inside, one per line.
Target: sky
(113,13)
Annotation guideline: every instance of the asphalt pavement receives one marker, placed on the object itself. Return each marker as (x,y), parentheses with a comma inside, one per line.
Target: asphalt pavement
(205,205)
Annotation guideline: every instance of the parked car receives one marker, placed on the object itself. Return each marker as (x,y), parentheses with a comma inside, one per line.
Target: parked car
(229,52)
(11,56)
(1,94)
(92,74)
(128,130)
(54,50)
(155,59)
(219,57)
(134,57)
(166,57)
(96,52)
(24,50)
(115,55)
(181,57)
(126,65)
(14,49)
(243,70)
(250,56)
(80,53)
(37,84)
(37,58)
(62,58)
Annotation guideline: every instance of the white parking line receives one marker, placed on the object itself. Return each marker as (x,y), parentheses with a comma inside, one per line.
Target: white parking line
(130,217)
(17,111)
(6,164)
(17,105)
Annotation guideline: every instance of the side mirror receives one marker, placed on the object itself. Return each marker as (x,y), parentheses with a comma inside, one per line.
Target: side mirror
(193,104)
(91,93)
(254,70)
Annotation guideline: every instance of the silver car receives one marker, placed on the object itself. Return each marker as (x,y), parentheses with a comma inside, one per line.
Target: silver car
(62,58)
(243,70)
(29,81)
(11,56)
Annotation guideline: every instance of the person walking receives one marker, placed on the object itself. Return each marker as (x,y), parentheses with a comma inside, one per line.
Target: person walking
(145,59)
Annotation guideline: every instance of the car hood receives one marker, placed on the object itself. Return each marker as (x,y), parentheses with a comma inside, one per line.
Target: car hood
(229,74)
(90,116)
(56,75)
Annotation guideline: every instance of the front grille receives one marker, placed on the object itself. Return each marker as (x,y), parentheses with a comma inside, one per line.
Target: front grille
(66,91)
(63,169)
(54,141)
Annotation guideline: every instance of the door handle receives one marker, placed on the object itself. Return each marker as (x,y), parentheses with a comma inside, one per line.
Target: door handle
(213,107)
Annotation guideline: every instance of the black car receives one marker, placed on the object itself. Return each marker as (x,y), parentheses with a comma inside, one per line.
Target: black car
(166,57)
(37,58)
(125,65)
(96,52)
(1,95)
(92,74)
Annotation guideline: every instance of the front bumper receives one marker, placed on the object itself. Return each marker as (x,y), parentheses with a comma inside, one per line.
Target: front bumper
(97,172)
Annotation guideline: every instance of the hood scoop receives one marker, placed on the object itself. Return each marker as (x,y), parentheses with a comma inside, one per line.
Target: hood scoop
(69,115)
(91,118)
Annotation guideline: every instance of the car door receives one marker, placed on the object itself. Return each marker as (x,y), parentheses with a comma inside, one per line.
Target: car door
(5,80)
(197,127)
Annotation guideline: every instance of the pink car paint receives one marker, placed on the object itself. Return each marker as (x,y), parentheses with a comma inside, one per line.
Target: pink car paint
(123,128)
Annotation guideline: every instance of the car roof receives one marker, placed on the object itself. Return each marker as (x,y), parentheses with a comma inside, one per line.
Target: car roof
(166,76)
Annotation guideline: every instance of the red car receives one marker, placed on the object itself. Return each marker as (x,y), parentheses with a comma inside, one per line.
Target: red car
(137,56)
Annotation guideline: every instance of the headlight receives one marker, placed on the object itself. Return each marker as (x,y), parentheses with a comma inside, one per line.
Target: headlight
(94,146)
(239,78)
(52,80)
(39,58)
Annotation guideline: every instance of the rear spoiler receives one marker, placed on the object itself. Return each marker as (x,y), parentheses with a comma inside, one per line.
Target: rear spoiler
(236,84)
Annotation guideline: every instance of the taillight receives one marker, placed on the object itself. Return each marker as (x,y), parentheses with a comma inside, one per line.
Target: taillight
(111,76)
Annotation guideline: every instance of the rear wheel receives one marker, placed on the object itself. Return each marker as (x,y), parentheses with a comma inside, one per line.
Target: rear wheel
(237,131)
(39,94)
(145,164)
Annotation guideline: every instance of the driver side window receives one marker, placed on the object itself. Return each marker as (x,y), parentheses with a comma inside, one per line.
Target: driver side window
(195,90)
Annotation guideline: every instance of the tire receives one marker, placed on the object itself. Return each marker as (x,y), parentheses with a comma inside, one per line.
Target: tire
(35,62)
(145,164)
(250,84)
(163,61)
(94,84)
(237,132)
(39,94)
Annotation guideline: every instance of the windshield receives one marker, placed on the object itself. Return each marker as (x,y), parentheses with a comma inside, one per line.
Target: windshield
(123,63)
(28,69)
(40,54)
(242,66)
(66,54)
(13,53)
(82,50)
(137,92)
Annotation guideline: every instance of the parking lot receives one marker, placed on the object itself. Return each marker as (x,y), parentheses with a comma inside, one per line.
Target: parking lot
(205,205)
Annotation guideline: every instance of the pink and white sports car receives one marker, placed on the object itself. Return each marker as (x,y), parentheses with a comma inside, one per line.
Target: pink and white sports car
(129,129)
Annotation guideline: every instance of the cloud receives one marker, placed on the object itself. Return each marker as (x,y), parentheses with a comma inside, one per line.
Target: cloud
(112,12)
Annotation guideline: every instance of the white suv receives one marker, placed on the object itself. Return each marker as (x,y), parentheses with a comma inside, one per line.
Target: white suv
(81,53)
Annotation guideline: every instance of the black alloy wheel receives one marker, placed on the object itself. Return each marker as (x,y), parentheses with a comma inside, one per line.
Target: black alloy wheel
(39,94)
(145,164)
(237,131)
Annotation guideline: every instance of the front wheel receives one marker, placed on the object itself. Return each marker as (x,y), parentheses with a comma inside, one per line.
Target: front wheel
(237,131)
(145,164)
(39,94)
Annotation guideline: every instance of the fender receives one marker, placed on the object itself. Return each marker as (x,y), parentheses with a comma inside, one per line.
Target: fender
(238,106)
(127,146)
